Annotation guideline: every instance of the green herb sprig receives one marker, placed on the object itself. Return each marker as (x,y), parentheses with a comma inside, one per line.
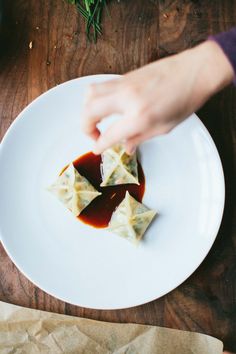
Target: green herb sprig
(91,10)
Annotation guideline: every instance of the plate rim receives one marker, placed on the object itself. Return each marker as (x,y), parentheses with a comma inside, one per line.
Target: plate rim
(12,128)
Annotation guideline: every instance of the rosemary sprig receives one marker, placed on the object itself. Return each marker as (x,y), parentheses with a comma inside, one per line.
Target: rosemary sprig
(91,10)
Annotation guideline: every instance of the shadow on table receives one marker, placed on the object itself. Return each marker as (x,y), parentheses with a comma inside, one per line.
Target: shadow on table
(13,31)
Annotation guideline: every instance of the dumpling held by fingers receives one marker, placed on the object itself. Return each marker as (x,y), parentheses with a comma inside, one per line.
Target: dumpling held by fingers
(73,190)
(118,167)
(131,219)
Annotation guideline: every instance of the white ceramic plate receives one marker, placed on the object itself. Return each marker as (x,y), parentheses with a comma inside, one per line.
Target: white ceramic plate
(91,267)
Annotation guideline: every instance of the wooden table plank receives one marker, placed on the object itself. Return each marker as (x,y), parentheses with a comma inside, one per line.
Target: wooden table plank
(136,33)
(206,302)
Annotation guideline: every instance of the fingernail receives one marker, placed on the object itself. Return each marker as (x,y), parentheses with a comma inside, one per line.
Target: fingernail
(131,151)
(96,150)
(87,95)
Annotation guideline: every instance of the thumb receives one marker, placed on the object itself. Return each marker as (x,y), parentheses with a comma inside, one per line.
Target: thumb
(130,148)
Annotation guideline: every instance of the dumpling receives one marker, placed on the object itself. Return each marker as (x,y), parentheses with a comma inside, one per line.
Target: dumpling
(131,219)
(73,190)
(118,167)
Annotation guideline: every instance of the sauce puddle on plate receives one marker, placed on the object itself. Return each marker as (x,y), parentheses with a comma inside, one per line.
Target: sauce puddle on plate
(98,212)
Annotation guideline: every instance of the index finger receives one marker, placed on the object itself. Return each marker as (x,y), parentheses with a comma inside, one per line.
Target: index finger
(118,132)
(103,88)
(97,109)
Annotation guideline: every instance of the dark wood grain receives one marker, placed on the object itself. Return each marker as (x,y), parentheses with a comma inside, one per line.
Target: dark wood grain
(136,33)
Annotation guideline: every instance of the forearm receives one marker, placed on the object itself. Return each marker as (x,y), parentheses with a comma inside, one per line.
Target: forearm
(215,69)
(155,98)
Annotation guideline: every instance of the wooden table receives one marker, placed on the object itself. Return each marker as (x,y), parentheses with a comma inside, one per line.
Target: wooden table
(137,32)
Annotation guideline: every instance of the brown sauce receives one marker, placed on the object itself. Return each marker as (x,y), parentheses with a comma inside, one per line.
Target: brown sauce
(98,212)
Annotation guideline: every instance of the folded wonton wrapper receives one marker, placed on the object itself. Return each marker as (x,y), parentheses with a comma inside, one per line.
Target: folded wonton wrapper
(131,219)
(73,190)
(118,167)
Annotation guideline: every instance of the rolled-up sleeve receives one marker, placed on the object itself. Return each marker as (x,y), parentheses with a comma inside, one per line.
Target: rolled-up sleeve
(227,42)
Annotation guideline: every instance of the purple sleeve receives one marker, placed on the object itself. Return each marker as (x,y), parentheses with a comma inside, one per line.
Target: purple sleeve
(227,42)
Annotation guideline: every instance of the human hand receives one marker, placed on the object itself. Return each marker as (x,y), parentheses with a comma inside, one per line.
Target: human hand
(154,99)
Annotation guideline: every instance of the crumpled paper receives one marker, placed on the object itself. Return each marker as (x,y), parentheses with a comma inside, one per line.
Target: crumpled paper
(24,331)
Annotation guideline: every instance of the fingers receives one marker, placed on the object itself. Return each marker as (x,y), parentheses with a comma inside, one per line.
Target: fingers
(95,133)
(127,130)
(97,109)
(132,143)
(130,149)
(103,88)
(117,132)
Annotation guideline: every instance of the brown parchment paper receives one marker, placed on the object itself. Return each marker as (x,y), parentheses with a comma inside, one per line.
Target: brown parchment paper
(25,330)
